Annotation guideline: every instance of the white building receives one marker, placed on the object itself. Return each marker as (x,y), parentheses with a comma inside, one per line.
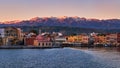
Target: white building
(2,32)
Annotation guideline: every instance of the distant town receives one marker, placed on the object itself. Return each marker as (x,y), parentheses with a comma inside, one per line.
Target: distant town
(12,36)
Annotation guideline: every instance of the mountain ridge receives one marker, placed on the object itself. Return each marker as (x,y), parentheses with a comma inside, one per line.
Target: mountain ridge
(66,21)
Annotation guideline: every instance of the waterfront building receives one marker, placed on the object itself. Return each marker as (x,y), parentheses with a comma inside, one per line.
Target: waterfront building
(85,39)
(118,39)
(1,40)
(71,38)
(20,34)
(59,40)
(12,36)
(100,39)
(111,39)
(77,38)
(43,41)
(2,35)
(29,39)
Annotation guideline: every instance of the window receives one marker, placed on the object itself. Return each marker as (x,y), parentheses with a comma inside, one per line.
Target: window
(46,44)
(49,43)
(39,44)
(42,44)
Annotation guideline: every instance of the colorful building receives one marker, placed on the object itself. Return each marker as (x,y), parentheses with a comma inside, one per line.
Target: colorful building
(118,39)
(29,39)
(2,32)
(2,35)
(111,39)
(77,38)
(10,35)
(100,39)
(85,39)
(43,41)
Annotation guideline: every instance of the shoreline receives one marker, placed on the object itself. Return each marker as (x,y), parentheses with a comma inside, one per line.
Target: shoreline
(38,47)
(26,47)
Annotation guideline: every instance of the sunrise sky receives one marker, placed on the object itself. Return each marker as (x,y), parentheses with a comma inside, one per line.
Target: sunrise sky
(26,9)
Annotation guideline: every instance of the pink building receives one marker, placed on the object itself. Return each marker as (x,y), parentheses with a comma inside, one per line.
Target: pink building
(42,41)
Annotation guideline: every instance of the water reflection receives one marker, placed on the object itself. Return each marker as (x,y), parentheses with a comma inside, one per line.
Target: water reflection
(109,55)
(108,49)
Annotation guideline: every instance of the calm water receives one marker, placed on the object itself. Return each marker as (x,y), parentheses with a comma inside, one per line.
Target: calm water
(60,58)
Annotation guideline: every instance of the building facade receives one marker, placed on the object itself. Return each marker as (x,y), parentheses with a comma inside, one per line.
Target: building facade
(85,39)
(43,41)
(111,39)
(77,38)
(12,35)
(100,39)
(29,39)
(2,35)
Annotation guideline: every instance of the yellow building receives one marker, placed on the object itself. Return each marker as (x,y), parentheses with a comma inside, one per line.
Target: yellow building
(12,35)
(77,38)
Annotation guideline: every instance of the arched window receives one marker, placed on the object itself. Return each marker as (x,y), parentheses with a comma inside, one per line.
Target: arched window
(43,44)
(46,44)
(39,44)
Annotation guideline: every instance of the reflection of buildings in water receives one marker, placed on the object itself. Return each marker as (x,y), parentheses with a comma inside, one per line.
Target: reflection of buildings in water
(118,49)
(99,49)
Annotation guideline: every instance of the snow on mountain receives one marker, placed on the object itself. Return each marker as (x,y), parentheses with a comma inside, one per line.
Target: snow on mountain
(67,21)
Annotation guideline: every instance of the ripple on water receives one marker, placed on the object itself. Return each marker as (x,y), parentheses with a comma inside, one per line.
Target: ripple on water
(49,58)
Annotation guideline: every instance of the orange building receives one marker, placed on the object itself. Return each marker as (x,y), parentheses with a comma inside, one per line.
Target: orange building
(77,38)
(111,39)
(100,39)
(85,39)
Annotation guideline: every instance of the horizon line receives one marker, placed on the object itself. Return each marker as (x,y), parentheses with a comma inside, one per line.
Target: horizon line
(57,17)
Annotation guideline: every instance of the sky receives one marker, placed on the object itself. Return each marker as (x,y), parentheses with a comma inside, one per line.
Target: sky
(26,9)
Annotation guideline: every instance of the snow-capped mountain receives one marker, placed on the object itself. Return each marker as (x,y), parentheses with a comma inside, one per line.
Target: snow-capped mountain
(67,21)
